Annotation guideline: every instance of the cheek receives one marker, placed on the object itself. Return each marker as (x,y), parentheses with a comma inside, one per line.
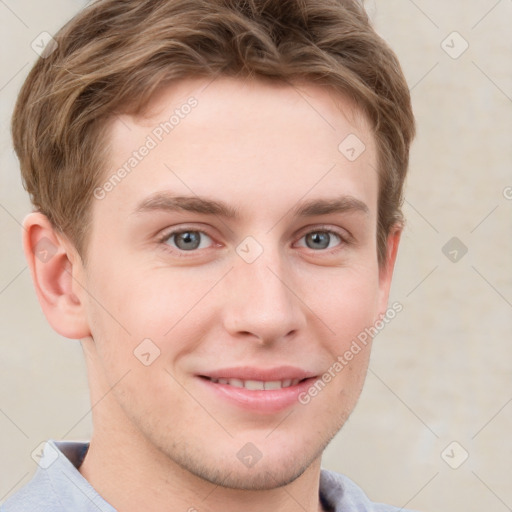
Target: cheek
(129,305)
(346,301)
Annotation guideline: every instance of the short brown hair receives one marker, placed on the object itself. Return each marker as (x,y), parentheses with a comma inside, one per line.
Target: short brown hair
(115,54)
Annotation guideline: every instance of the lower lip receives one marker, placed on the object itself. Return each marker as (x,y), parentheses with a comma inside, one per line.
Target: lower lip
(267,402)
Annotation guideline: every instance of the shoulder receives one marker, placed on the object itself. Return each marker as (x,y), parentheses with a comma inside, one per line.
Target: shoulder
(57,485)
(340,493)
(38,495)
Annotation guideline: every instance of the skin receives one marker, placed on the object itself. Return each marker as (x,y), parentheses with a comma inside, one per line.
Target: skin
(162,439)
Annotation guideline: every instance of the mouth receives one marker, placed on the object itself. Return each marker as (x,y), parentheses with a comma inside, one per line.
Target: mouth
(257,390)
(256,385)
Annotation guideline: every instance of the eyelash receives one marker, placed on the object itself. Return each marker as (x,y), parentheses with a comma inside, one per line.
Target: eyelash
(344,240)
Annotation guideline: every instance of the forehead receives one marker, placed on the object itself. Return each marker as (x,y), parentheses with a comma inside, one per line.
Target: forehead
(242,141)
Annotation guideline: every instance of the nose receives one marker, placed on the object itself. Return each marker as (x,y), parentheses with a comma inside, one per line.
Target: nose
(260,300)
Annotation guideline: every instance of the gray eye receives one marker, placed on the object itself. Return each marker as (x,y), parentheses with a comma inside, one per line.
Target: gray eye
(319,239)
(186,240)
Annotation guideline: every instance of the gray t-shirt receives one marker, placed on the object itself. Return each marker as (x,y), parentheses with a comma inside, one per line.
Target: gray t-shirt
(58,486)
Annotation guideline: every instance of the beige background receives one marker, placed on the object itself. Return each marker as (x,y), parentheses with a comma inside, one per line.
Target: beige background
(440,372)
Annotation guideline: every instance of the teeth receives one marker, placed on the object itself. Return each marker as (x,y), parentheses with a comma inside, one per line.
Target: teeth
(254,384)
(237,383)
(257,385)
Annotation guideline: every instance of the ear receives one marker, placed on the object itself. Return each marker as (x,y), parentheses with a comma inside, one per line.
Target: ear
(54,264)
(387,267)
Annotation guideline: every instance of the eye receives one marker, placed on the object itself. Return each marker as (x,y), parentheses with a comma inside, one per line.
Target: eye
(187,240)
(322,239)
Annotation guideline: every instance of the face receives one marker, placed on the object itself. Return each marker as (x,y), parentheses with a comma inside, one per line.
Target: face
(229,266)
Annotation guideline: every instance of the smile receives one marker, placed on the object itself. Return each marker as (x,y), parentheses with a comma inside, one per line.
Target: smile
(257,390)
(258,385)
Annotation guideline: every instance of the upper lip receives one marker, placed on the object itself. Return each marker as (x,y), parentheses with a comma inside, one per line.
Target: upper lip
(260,374)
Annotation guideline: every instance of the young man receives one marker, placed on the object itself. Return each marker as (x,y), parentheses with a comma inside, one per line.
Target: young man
(217,190)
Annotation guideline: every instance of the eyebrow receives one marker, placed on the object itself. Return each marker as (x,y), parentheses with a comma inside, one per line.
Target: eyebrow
(168,202)
(325,206)
(196,204)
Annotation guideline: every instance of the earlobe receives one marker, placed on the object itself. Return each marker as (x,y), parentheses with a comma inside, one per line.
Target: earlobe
(53,263)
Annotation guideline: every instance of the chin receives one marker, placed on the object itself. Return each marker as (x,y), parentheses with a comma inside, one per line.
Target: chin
(264,478)
(278,466)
